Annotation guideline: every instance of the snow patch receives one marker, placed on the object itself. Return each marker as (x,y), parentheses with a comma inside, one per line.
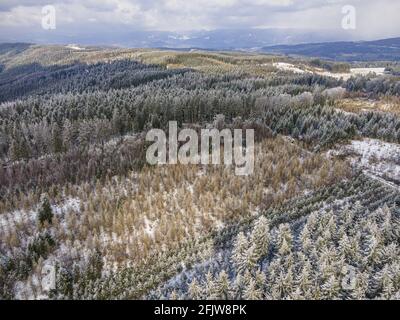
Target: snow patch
(75,47)
(149,227)
(10,219)
(373,157)
(366,71)
(288,67)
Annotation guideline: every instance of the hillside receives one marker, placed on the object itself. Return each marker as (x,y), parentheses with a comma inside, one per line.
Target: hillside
(380,50)
(318,217)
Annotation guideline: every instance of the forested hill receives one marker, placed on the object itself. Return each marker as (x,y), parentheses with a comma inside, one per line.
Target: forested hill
(383,50)
(77,194)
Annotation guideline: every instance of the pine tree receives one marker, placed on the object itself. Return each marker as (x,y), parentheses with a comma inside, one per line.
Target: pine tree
(260,238)
(369,247)
(285,239)
(69,134)
(45,213)
(304,279)
(117,122)
(219,121)
(345,246)
(284,248)
(209,285)
(331,288)
(388,289)
(297,295)
(305,236)
(278,289)
(361,286)
(173,295)
(251,292)
(222,288)
(195,291)
(57,143)
(260,279)
(239,256)
(387,222)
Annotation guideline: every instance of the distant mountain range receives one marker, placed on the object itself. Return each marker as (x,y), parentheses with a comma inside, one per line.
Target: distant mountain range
(384,50)
(220,39)
(274,41)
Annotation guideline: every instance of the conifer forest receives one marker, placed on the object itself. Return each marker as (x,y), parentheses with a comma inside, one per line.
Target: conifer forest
(318,218)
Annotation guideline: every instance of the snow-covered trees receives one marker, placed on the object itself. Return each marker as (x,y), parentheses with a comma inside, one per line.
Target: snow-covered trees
(344,250)
(293,230)
(259,239)
(240,253)
(195,291)
(247,251)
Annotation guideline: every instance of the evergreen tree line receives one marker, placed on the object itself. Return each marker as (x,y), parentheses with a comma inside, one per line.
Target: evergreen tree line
(40,125)
(52,124)
(35,79)
(17,267)
(348,250)
(71,137)
(322,125)
(375,86)
(73,166)
(263,256)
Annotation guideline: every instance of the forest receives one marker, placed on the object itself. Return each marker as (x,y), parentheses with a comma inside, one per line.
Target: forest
(314,221)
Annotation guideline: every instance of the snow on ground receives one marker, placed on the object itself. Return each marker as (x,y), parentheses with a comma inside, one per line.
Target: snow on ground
(33,287)
(150,227)
(10,219)
(345,76)
(288,67)
(369,148)
(376,157)
(74,47)
(353,72)
(68,205)
(366,71)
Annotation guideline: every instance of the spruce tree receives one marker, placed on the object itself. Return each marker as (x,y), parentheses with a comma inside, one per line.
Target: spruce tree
(260,238)
(195,291)
(251,292)
(240,253)
(45,213)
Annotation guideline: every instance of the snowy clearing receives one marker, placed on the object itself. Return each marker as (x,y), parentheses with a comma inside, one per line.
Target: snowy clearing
(283,66)
(75,47)
(288,67)
(374,157)
(366,71)
(10,219)
(353,72)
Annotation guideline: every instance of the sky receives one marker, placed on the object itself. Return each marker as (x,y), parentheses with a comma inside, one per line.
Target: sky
(21,20)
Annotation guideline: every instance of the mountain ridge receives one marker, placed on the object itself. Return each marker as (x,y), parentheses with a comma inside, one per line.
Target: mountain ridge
(382,49)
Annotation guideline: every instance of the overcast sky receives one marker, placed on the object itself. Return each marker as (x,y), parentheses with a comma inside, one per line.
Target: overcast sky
(375,19)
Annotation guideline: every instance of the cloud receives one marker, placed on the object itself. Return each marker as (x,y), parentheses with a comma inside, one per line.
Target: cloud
(375,18)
